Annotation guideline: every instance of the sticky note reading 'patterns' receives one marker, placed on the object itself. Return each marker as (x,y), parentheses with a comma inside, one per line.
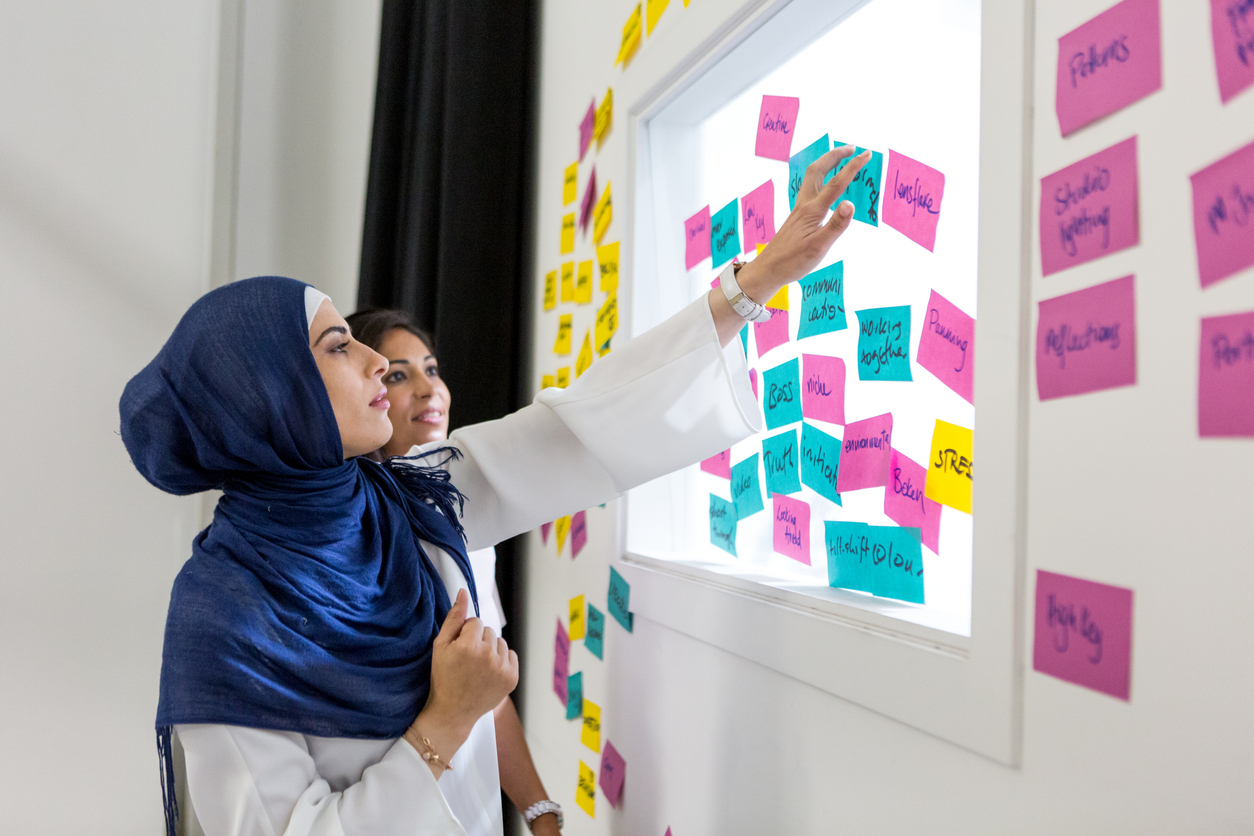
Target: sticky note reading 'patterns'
(865,453)
(745,490)
(772,333)
(1086,341)
(562,344)
(800,161)
(574,695)
(578,533)
(723,524)
(607,261)
(779,463)
(947,346)
(864,189)
(576,618)
(589,196)
(823,301)
(1232,30)
(1108,63)
(570,184)
(884,343)
(568,281)
(1225,381)
(561,662)
(586,128)
(1089,208)
(1223,207)
(883,560)
(724,238)
(719,464)
(613,770)
(550,290)
(757,216)
(791,536)
(602,214)
(1084,633)
(568,233)
(697,238)
(949,473)
(630,41)
(583,283)
(776,121)
(820,462)
(904,502)
(585,790)
(619,598)
(591,735)
(912,198)
(594,639)
(781,394)
(823,388)
(604,117)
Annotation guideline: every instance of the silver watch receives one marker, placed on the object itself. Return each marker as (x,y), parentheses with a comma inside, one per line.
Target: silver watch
(538,809)
(740,303)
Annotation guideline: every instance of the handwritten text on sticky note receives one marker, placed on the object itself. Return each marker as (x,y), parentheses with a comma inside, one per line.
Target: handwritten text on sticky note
(561,662)
(947,346)
(607,261)
(912,198)
(585,128)
(576,618)
(697,238)
(589,196)
(550,290)
(1089,209)
(904,502)
(757,216)
(884,343)
(820,462)
(779,463)
(1086,340)
(724,237)
(723,524)
(583,283)
(883,560)
(781,394)
(822,301)
(619,598)
(630,40)
(574,695)
(1232,30)
(613,770)
(604,117)
(776,122)
(570,183)
(1225,393)
(562,524)
(865,453)
(791,535)
(585,789)
(591,734)
(950,468)
(1083,633)
(1223,214)
(745,490)
(864,189)
(823,388)
(578,533)
(800,161)
(602,215)
(594,639)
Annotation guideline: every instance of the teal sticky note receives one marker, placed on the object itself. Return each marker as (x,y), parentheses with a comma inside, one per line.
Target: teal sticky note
(594,632)
(723,524)
(781,394)
(745,490)
(848,564)
(619,598)
(823,301)
(896,561)
(864,191)
(799,162)
(724,236)
(574,695)
(884,343)
(744,339)
(779,462)
(820,462)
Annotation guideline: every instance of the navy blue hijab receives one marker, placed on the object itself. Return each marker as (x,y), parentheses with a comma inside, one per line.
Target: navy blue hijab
(308,604)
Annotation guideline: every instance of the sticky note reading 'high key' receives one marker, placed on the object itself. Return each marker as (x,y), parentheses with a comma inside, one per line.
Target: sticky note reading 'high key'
(589,198)
(718,465)
(865,453)
(904,502)
(724,238)
(585,129)
(697,238)
(1223,208)
(561,662)
(613,770)
(800,161)
(1225,380)
(1086,341)
(585,790)
(574,695)
(883,560)
(578,533)
(779,463)
(884,343)
(772,333)
(607,261)
(864,189)
(745,490)
(776,121)
(1089,209)
(1084,633)
(820,462)
(949,472)
(757,216)
(823,388)
(594,639)
(947,346)
(568,233)
(1108,63)
(912,198)
(591,735)
(791,535)
(570,184)
(781,394)
(822,301)
(576,618)
(723,524)
(619,598)
(1232,31)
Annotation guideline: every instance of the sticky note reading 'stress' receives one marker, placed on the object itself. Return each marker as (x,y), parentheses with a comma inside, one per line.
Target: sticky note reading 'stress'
(757,216)
(866,451)
(697,238)
(949,472)
(578,533)
(800,161)
(1086,340)
(613,770)
(1108,63)
(718,465)
(574,695)
(779,463)
(723,524)
(822,301)
(947,346)
(724,238)
(585,789)
(1089,209)
(594,638)
(772,333)
(884,343)
(1225,381)
(820,462)
(912,198)
(561,662)
(745,490)
(791,535)
(619,598)
(576,618)
(823,388)
(591,735)
(904,502)
(1083,633)
(1232,31)
(781,394)
(585,129)
(1223,211)
(776,122)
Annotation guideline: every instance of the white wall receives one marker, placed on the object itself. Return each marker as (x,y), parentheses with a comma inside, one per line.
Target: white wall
(1119,490)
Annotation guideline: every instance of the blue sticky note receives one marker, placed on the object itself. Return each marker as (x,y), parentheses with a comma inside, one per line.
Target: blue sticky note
(619,598)
(847,551)
(799,162)
(574,695)
(820,462)
(745,490)
(864,191)
(823,301)
(724,236)
(896,559)
(723,523)
(779,462)
(884,343)
(594,632)
(744,339)
(781,394)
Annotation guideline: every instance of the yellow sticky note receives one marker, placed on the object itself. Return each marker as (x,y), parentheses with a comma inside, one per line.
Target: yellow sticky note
(605,113)
(591,735)
(570,185)
(547,381)
(584,360)
(561,524)
(607,321)
(550,290)
(568,233)
(654,10)
(602,214)
(563,380)
(607,259)
(949,468)
(576,618)
(562,344)
(586,792)
(568,281)
(631,38)
(685,4)
(759,250)
(780,300)
(583,283)
(603,350)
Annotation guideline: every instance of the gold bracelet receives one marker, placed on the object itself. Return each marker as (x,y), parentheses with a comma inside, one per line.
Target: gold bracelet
(429,754)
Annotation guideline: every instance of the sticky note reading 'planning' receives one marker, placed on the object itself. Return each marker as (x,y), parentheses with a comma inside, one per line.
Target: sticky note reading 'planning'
(779,463)
(823,388)
(883,560)
(947,346)
(1232,31)
(1108,63)
(619,598)
(820,462)
(578,533)
(574,695)
(697,238)
(576,618)
(570,183)
(776,121)
(1223,205)
(1086,341)
(718,465)
(724,238)
(1089,208)
(865,453)
(613,770)
(594,639)
(800,161)
(949,473)
(1084,633)
(912,198)
(884,343)
(772,333)
(791,535)
(822,301)
(757,216)
(745,490)
(904,502)
(585,790)
(585,129)
(723,524)
(864,189)
(1225,380)
(781,394)
(561,662)
(591,735)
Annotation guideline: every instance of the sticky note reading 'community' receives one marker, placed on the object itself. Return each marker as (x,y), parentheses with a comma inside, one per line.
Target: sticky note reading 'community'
(1083,633)
(822,301)
(1086,341)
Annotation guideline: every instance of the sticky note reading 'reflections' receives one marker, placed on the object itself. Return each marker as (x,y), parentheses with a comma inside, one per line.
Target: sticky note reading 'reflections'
(1083,633)
(822,301)
(1089,208)
(570,184)
(591,735)
(578,533)
(568,233)
(757,214)
(1086,340)
(585,790)
(781,394)
(947,346)
(1223,206)
(865,453)
(745,490)
(800,161)
(718,465)
(949,472)
(779,463)
(594,639)
(631,38)
(912,198)
(613,770)
(791,535)
(574,695)
(1232,30)
(820,462)
(823,388)
(904,502)
(697,238)
(884,343)
(561,662)
(723,524)
(619,598)
(1225,381)
(776,121)
(724,238)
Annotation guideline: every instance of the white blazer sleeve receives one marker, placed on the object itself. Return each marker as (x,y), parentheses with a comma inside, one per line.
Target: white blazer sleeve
(255,782)
(667,399)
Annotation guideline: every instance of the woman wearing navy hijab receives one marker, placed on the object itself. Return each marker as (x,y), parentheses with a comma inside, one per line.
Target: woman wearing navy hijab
(321,675)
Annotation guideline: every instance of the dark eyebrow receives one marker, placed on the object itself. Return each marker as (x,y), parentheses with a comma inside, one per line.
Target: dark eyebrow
(339,329)
(406,362)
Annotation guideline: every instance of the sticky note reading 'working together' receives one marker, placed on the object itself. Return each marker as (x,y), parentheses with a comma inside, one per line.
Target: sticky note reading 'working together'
(1089,209)
(1086,341)
(1225,380)
(1223,213)
(884,343)
(1084,633)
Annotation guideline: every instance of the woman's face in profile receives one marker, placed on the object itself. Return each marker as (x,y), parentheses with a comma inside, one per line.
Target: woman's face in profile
(420,399)
(353,375)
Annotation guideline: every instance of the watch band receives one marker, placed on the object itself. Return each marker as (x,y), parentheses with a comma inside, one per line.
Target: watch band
(540,808)
(740,303)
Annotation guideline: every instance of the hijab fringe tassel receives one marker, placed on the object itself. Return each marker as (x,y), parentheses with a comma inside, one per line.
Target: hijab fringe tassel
(431,483)
(165,756)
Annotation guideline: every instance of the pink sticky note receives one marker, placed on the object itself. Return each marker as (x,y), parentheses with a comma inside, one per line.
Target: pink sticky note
(719,465)
(823,388)
(912,198)
(947,346)
(753,381)
(545,528)
(792,528)
(613,768)
(1223,211)
(561,662)
(1086,340)
(585,129)
(904,502)
(757,216)
(1089,209)
(771,333)
(776,122)
(589,199)
(1225,380)
(1084,633)
(865,454)
(1108,63)
(1232,29)
(578,533)
(697,238)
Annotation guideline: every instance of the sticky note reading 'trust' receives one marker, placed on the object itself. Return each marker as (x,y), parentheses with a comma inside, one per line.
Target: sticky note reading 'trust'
(884,343)
(1232,31)
(697,238)
(1225,381)
(585,790)
(779,463)
(591,735)
(619,599)
(822,301)
(949,473)
(613,770)
(823,388)
(1089,209)
(1084,633)
(912,198)
(1223,203)
(791,536)
(776,121)
(594,639)
(1086,340)
(865,453)
(723,524)
(947,346)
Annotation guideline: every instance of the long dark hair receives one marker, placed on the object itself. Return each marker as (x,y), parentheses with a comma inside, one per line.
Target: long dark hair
(371,326)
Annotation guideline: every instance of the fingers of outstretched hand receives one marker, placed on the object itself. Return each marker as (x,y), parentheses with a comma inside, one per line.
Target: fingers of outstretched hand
(837,185)
(455,619)
(817,170)
(836,224)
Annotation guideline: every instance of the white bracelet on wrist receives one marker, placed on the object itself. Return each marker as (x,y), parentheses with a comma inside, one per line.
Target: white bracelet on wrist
(741,304)
(540,808)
